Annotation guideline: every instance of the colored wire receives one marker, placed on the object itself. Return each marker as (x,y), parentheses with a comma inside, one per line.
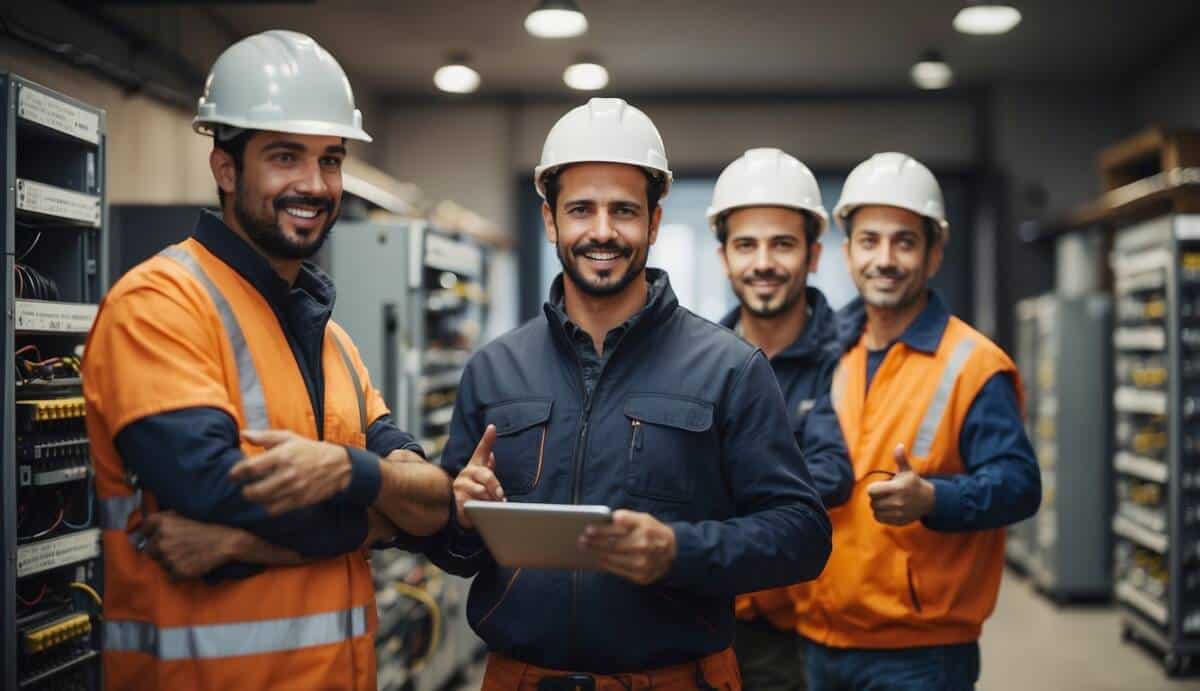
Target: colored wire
(89,590)
(435,615)
(36,600)
(57,522)
(87,521)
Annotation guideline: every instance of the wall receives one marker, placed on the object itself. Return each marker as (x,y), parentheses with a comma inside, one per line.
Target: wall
(1168,92)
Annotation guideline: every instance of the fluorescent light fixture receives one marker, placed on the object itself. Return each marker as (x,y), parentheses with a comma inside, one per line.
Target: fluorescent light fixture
(932,72)
(556,19)
(456,77)
(987,19)
(586,75)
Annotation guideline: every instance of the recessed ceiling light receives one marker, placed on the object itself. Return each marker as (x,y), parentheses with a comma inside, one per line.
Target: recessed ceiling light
(456,77)
(932,72)
(556,19)
(587,74)
(987,19)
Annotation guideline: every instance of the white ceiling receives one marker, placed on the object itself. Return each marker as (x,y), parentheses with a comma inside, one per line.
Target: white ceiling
(723,46)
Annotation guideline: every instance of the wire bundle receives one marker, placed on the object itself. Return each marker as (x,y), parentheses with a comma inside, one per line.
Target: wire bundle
(30,365)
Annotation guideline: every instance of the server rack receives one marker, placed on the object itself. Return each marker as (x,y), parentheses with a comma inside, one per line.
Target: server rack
(1065,352)
(413,299)
(1018,547)
(1156,267)
(55,267)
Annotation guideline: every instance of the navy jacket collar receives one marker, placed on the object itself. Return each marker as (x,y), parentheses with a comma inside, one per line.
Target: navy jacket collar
(923,334)
(212,232)
(818,335)
(660,302)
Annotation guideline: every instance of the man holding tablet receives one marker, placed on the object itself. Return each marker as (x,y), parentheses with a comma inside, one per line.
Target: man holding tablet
(619,397)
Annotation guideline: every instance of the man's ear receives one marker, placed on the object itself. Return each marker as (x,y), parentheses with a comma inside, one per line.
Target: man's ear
(224,170)
(548,222)
(655,220)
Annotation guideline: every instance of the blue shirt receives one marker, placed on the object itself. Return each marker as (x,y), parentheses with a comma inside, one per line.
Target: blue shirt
(1003,484)
(184,456)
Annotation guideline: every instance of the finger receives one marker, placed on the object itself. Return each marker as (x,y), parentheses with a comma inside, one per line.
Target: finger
(634,569)
(881,489)
(149,527)
(483,450)
(266,438)
(613,545)
(472,490)
(255,467)
(274,487)
(609,531)
(901,459)
(488,479)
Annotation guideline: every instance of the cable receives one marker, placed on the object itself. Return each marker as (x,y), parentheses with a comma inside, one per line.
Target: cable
(36,600)
(87,589)
(31,246)
(435,615)
(57,522)
(87,522)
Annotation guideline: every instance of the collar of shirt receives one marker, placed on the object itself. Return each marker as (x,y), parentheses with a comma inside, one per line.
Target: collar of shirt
(230,248)
(923,334)
(816,338)
(658,292)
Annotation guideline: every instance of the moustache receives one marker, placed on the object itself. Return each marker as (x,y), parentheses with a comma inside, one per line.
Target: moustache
(767,276)
(321,203)
(590,247)
(886,272)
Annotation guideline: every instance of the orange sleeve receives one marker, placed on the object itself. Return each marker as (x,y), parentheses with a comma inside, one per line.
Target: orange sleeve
(157,346)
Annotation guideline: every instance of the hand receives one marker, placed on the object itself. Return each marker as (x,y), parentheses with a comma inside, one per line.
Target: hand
(293,472)
(905,498)
(186,548)
(635,546)
(478,479)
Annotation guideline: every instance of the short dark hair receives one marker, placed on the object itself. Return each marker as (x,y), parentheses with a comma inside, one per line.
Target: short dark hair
(236,147)
(932,231)
(655,186)
(811,227)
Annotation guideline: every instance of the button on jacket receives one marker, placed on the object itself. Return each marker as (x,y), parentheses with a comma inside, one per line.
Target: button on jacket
(686,422)
(804,371)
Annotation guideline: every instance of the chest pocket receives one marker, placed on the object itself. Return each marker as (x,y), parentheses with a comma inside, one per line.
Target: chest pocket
(666,433)
(521,429)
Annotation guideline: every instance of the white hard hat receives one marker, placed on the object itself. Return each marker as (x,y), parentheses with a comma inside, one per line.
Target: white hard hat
(282,81)
(767,177)
(606,130)
(893,179)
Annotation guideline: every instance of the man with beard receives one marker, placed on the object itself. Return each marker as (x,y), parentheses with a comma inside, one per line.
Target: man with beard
(618,396)
(235,429)
(931,412)
(767,214)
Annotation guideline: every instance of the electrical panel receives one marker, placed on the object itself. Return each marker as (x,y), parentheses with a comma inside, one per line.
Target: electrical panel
(1156,269)
(413,300)
(54,222)
(1064,355)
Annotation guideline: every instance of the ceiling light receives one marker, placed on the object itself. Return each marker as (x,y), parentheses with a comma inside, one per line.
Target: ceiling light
(556,19)
(986,19)
(932,72)
(456,76)
(587,74)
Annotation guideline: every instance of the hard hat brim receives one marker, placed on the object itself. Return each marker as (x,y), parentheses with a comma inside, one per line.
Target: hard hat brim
(206,126)
(714,214)
(540,172)
(843,211)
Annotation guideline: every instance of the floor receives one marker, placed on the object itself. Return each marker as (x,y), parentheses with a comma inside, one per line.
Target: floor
(1030,644)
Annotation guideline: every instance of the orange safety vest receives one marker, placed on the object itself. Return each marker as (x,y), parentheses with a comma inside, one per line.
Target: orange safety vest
(184,329)
(901,587)
(776,605)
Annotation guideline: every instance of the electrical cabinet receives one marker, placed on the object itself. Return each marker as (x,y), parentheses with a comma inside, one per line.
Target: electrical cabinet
(54,224)
(413,300)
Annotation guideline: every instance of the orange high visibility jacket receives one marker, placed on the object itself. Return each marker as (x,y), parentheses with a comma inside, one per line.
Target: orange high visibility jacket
(900,587)
(181,330)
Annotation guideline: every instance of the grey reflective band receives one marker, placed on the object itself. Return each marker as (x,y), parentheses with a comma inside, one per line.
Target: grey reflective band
(358,389)
(254,404)
(941,398)
(211,641)
(114,511)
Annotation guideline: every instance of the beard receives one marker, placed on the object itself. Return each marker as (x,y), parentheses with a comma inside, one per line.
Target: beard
(264,230)
(772,307)
(907,295)
(604,285)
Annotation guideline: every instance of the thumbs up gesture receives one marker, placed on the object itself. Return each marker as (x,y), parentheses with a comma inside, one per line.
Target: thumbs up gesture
(905,498)
(477,480)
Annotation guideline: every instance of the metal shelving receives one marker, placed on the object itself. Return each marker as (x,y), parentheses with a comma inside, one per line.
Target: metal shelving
(55,230)
(1156,270)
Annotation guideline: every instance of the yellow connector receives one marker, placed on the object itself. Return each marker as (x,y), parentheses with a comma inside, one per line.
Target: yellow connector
(55,408)
(56,632)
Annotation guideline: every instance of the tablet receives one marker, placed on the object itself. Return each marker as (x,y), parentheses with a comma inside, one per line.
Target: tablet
(536,536)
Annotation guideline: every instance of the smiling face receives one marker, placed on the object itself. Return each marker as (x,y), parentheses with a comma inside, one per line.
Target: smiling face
(602,226)
(767,257)
(891,256)
(288,192)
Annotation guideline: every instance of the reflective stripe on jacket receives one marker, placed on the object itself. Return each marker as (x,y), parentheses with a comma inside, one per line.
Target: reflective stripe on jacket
(899,587)
(181,330)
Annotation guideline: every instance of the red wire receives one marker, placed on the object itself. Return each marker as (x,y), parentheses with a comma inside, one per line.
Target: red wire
(43,363)
(27,349)
(38,599)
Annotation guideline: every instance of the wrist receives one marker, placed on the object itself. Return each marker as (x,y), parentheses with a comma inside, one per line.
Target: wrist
(236,545)
(928,494)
